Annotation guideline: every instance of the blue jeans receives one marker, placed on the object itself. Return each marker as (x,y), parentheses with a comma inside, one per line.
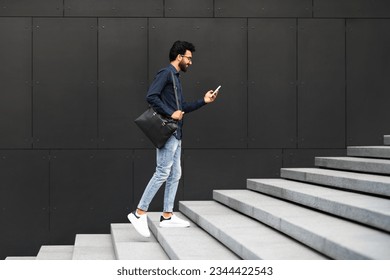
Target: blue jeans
(168,170)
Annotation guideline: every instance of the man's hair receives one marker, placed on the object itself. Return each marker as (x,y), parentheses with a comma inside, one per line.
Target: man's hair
(180,47)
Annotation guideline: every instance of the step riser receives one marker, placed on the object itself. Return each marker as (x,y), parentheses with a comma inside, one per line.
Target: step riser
(354,213)
(386,140)
(371,152)
(93,247)
(20,258)
(376,188)
(344,164)
(55,252)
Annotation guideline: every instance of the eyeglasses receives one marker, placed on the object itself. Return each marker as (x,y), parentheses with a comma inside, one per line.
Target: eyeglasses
(188,57)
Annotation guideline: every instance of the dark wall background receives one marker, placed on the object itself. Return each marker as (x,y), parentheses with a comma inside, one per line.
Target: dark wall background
(299,79)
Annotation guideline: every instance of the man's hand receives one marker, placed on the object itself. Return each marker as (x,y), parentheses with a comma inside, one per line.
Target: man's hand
(210,96)
(177,115)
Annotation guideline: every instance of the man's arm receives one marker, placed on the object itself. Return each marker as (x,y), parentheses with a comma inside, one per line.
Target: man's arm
(153,97)
(192,106)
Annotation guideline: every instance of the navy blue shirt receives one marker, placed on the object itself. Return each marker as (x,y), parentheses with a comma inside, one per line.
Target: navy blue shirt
(161,96)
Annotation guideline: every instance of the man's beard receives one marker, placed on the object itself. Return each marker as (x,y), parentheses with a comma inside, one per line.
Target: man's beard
(183,66)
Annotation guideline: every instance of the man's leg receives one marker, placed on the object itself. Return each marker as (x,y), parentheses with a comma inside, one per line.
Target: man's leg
(168,219)
(164,160)
(172,183)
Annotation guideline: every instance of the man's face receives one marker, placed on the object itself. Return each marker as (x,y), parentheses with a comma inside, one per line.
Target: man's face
(186,61)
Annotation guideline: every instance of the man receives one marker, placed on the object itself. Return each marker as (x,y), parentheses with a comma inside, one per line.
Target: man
(161,97)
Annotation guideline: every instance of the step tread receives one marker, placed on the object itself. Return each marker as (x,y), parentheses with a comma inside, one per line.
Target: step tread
(369,165)
(245,236)
(130,245)
(343,174)
(190,243)
(93,247)
(315,229)
(369,151)
(370,183)
(363,208)
(55,252)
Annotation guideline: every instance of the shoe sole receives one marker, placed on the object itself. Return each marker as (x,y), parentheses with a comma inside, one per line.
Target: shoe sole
(174,226)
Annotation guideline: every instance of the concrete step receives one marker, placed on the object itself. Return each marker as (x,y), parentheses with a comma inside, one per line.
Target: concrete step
(130,245)
(369,210)
(386,139)
(332,236)
(93,247)
(369,151)
(55,252)
(190,243)
(245,236)
(367,165)
(367,183)
(20,258)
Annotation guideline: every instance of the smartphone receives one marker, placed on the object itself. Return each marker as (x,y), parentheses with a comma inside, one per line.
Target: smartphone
(216,90)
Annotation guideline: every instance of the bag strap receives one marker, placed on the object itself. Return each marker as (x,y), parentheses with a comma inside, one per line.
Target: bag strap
(175,89)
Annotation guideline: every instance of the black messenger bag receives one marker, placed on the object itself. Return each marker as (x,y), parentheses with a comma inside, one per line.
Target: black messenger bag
(156,127)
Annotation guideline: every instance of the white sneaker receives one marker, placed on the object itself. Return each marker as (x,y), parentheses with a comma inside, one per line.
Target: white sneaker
(140,223)
(172,222)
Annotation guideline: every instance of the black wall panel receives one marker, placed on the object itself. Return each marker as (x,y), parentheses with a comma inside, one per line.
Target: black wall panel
(23,232)
(89,190)
(24,201)
(272,87)
(351,8)
(296,158)
(65,83)
(189,8)
(24,179)
(15,82)
(119,8)
(368,72)
(263,8)
(31,8)
(211,67)
(122,81)
(321,83)
(206,170)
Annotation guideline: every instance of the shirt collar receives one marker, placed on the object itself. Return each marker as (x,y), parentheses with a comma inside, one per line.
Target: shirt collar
(177,73)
